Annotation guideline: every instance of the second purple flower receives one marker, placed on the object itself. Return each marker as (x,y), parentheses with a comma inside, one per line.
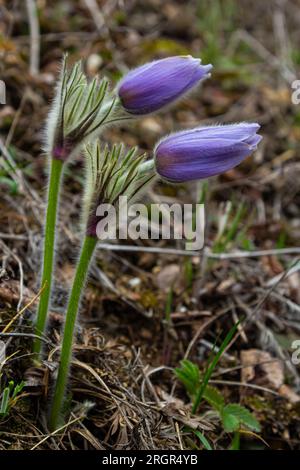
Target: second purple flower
(205,151)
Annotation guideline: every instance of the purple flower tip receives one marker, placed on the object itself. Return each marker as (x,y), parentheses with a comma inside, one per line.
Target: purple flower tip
(159,83)
(205,151)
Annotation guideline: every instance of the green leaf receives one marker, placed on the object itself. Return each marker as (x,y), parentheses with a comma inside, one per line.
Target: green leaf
(230,422)
(188,373)
(18,389)
(212,365)
(10,183)
(4,402)
(234,415)
(203,439)
(214,398)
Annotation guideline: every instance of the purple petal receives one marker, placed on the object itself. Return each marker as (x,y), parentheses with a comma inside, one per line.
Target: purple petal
(240,132)
(203,152)
(154,85)
(254,141)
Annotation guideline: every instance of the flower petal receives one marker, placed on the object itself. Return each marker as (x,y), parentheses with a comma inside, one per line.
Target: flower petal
(206,151)
(154,85)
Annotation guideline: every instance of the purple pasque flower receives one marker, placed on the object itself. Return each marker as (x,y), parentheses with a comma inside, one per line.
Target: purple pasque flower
(154,85)
(205,151)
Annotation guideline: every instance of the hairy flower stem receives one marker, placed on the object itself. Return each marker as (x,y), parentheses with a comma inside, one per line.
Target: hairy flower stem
(49,244)
(86,255)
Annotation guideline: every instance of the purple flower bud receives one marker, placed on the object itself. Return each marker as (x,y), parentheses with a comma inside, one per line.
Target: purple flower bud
(157,84)
(205,151)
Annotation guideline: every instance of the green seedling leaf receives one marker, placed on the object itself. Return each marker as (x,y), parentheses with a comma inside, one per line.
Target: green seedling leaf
(202,439)
(214,398)
(18,389)
(212,366)
(10,183)
(230,422)
(189,375)
(4,402)
(233,415)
